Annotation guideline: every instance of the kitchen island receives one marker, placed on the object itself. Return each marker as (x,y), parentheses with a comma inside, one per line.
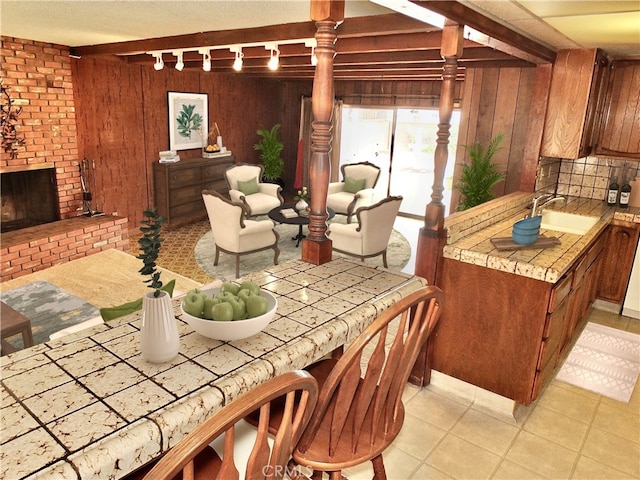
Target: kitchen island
(512,314)
(87,406)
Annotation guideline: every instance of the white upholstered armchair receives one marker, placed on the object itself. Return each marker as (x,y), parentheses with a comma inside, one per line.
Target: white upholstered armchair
(355,190)
(245,186)
(233,233)
(370,236)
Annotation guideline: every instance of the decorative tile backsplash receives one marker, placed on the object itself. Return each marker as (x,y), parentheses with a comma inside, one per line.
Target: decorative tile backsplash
(587,177)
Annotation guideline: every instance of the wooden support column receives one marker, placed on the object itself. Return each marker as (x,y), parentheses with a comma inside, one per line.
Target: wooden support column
(327,15)
(433,236)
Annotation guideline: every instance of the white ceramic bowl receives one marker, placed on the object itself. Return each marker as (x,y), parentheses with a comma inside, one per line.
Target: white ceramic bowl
(233,330)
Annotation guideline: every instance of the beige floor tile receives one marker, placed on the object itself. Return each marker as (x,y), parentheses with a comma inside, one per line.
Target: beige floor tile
(485,431)
(418,437)
(541,456)
(618,422)
(463,460)
(589,469)
(633,326)
(435,409)
(427,472)
(613,451)
(511,471)
(571,401)
(556,427)
(605,318)
(398,465)
(631,408)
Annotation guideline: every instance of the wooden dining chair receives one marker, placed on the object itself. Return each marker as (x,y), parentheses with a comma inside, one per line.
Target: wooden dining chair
(196,459)
(360,409)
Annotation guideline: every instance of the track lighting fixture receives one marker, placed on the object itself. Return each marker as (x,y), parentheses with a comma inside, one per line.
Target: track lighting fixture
(237,63)
(274,59)
(180,61)
(313,43)
(206,59)
(159,65)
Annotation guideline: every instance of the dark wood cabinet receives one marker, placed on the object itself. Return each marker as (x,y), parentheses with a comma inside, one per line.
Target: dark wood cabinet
(178,187)
(507,333)
(622,238)
(620,131)
(576,96)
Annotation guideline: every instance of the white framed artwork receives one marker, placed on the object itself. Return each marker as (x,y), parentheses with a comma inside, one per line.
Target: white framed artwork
(188,119)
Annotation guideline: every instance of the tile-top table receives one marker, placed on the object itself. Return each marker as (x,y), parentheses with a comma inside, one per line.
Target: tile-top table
(88,406)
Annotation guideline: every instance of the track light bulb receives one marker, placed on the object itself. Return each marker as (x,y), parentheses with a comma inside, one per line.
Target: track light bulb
(274,61)
(206,59)
(314,58)
(237,63)
(159,65)
(180,60)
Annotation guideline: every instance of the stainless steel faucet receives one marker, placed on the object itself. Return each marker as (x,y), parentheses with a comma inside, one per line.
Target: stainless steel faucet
(546,198)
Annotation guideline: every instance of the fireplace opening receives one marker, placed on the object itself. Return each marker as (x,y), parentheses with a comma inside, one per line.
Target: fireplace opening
(28,198)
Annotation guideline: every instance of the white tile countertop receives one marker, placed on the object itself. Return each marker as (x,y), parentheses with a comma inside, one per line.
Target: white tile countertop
(470,233)
(87,406)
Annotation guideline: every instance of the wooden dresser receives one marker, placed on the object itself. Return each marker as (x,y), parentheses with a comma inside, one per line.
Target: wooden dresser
(178,187)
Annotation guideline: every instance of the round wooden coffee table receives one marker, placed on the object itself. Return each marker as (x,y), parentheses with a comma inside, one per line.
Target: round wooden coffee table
(300,220)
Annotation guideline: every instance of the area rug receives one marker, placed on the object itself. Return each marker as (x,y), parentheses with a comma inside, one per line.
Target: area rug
(604,360)
(49,308)
(104,279)
(398,254)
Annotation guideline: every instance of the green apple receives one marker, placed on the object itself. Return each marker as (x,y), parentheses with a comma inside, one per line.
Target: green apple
(230,287)
(223,311)
(256,306)
(252,286)
(245,293)
(209,302)
(193,303)
(225,296)
(239,308)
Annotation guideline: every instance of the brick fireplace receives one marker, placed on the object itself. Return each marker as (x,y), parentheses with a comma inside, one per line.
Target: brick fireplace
(39,77)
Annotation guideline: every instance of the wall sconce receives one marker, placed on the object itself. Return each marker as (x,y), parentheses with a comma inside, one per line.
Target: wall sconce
(274,60)
(180,61)
(206,59)
(237,63)
(159,65)
(313,43)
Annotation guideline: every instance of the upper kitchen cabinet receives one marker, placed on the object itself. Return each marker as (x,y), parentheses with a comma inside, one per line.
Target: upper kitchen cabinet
(575,99)
(620,131)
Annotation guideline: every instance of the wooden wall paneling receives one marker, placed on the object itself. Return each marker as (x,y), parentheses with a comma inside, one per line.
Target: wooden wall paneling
(487,106)
(504,122)
(112,122)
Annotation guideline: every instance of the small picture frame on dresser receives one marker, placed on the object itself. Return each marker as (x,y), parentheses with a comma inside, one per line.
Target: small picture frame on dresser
(188,120)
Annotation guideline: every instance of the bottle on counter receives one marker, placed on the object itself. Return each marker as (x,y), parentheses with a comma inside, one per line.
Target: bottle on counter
(612,193)
(625,193)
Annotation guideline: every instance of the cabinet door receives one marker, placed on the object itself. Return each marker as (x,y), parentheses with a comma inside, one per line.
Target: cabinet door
(620,130)
(619,253)
(575,99)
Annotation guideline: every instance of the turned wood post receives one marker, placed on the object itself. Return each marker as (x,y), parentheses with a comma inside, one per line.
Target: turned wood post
(433,236)
(327,14)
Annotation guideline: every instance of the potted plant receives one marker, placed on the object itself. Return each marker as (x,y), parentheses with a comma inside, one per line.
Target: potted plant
(159,338)
(271,148)
(480,175)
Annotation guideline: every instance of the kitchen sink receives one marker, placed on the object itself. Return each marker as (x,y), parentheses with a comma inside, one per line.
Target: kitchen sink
(567,222)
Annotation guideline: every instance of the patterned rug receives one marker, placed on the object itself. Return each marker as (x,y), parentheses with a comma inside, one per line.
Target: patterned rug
(49,308)
(604,360)
(398,254)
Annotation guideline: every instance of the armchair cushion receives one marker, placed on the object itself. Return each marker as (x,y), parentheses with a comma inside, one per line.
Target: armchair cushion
(248,187)
(352,185)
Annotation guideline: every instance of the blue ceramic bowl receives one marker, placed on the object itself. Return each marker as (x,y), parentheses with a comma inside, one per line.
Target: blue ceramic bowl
(525,232)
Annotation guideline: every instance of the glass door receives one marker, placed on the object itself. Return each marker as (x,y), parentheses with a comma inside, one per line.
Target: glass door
(402,142)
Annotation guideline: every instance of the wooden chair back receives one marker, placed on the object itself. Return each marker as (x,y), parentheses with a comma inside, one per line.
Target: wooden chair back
(300,391)
(360,409)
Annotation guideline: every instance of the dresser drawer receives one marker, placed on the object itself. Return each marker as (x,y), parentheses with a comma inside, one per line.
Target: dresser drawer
(186,194)
(185,176)
(188,211)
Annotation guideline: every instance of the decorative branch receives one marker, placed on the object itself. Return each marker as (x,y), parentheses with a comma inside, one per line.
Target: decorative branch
(8,119)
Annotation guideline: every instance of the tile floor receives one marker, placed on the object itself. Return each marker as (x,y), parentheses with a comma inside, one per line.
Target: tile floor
(568,433)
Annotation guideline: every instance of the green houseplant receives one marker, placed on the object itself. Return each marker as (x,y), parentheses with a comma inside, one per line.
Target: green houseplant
(480,175)
(150,244)
(271,148)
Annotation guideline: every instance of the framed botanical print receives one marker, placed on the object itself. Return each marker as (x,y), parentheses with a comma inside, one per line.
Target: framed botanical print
(188,120)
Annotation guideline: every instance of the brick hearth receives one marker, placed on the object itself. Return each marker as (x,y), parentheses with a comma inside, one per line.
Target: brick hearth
(36,248)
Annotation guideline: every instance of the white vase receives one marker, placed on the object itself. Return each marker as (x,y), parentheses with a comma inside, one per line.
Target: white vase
(301,205)
(159,338)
